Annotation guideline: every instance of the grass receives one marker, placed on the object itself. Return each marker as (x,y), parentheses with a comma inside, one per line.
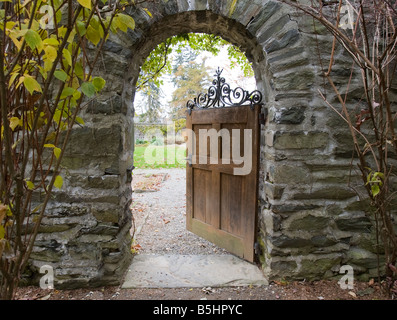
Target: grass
(159,157)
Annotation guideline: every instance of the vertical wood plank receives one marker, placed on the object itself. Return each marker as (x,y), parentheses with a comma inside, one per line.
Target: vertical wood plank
(251,196)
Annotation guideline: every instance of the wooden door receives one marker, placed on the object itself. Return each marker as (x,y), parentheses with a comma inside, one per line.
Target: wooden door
(221,193)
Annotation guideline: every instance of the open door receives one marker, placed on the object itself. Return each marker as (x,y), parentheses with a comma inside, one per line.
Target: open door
(222,176)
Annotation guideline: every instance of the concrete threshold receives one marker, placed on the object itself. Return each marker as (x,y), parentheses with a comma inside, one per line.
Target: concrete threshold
(179,271)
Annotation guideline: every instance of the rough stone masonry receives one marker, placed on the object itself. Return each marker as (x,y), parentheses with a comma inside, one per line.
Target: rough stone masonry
(310,221)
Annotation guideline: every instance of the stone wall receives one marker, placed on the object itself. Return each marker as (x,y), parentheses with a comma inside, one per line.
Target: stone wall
(310,220)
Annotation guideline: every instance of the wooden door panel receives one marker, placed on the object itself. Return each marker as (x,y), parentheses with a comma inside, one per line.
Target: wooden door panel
(231,201)
(222,205)
(202,182)
(235,115)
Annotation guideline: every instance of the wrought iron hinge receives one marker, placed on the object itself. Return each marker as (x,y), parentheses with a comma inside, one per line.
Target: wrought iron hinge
(263,117)
(189,159)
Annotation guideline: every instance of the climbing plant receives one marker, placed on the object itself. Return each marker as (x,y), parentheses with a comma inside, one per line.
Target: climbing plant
(48,53)
(159,61)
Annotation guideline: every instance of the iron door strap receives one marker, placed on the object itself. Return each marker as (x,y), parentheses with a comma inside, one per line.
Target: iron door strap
(263,116)
(189,159)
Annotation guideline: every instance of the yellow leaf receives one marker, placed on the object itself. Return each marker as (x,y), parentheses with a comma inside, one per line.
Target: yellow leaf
(51,136)
(80,120)
(33,40)
(58,182)
(67,56)
(57,152)
(127,20)
(12,79)
(148,12)
(51,42)
(47,65)
(31,84)
(85,3)
(29,184)
(50,53)
(14,122)
(93,35)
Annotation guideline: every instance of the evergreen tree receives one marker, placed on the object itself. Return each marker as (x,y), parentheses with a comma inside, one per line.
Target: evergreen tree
(152,104)
(190,79)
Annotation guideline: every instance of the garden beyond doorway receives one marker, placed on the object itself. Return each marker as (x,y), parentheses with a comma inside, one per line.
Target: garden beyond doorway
(159,213)
(168,255)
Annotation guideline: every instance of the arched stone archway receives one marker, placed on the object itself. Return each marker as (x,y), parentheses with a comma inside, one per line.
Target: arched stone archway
(310,222)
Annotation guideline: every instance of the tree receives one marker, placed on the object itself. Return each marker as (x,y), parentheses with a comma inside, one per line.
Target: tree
(48,52)
(151,104)
(190,79)
(366,31)
(159,63)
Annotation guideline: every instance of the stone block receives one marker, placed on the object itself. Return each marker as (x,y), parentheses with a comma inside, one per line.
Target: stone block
(316,266)
(95,142)
(267,11)
(291,115)
(94,238)
(104,229)
(80,195)
(309,223)
(300,140)
(273,29)
(328,192)
(283,267)
(288,39)
(290,174)
(301,79)
(88,251)
(103,182)
(106,213)
(354,224)
(361,257)
(289,208)
(46,228)
(322,241)
(361,205)
(284,241)
(273,191)
(106,105)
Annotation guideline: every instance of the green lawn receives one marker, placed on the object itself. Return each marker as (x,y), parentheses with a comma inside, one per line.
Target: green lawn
(159,157)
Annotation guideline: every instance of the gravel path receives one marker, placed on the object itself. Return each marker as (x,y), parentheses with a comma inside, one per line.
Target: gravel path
(160,217)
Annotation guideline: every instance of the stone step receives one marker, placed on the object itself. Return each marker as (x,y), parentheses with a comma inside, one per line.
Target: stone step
(179,271)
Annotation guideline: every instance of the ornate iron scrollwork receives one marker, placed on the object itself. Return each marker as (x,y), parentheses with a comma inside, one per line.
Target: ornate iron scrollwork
(220,95)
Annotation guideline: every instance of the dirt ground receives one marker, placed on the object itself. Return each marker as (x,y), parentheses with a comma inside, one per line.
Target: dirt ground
(317,290)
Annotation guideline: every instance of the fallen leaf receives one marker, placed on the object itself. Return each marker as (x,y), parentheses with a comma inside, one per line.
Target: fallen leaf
(352,294)
(208,290)
(46,297)
(281,283)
